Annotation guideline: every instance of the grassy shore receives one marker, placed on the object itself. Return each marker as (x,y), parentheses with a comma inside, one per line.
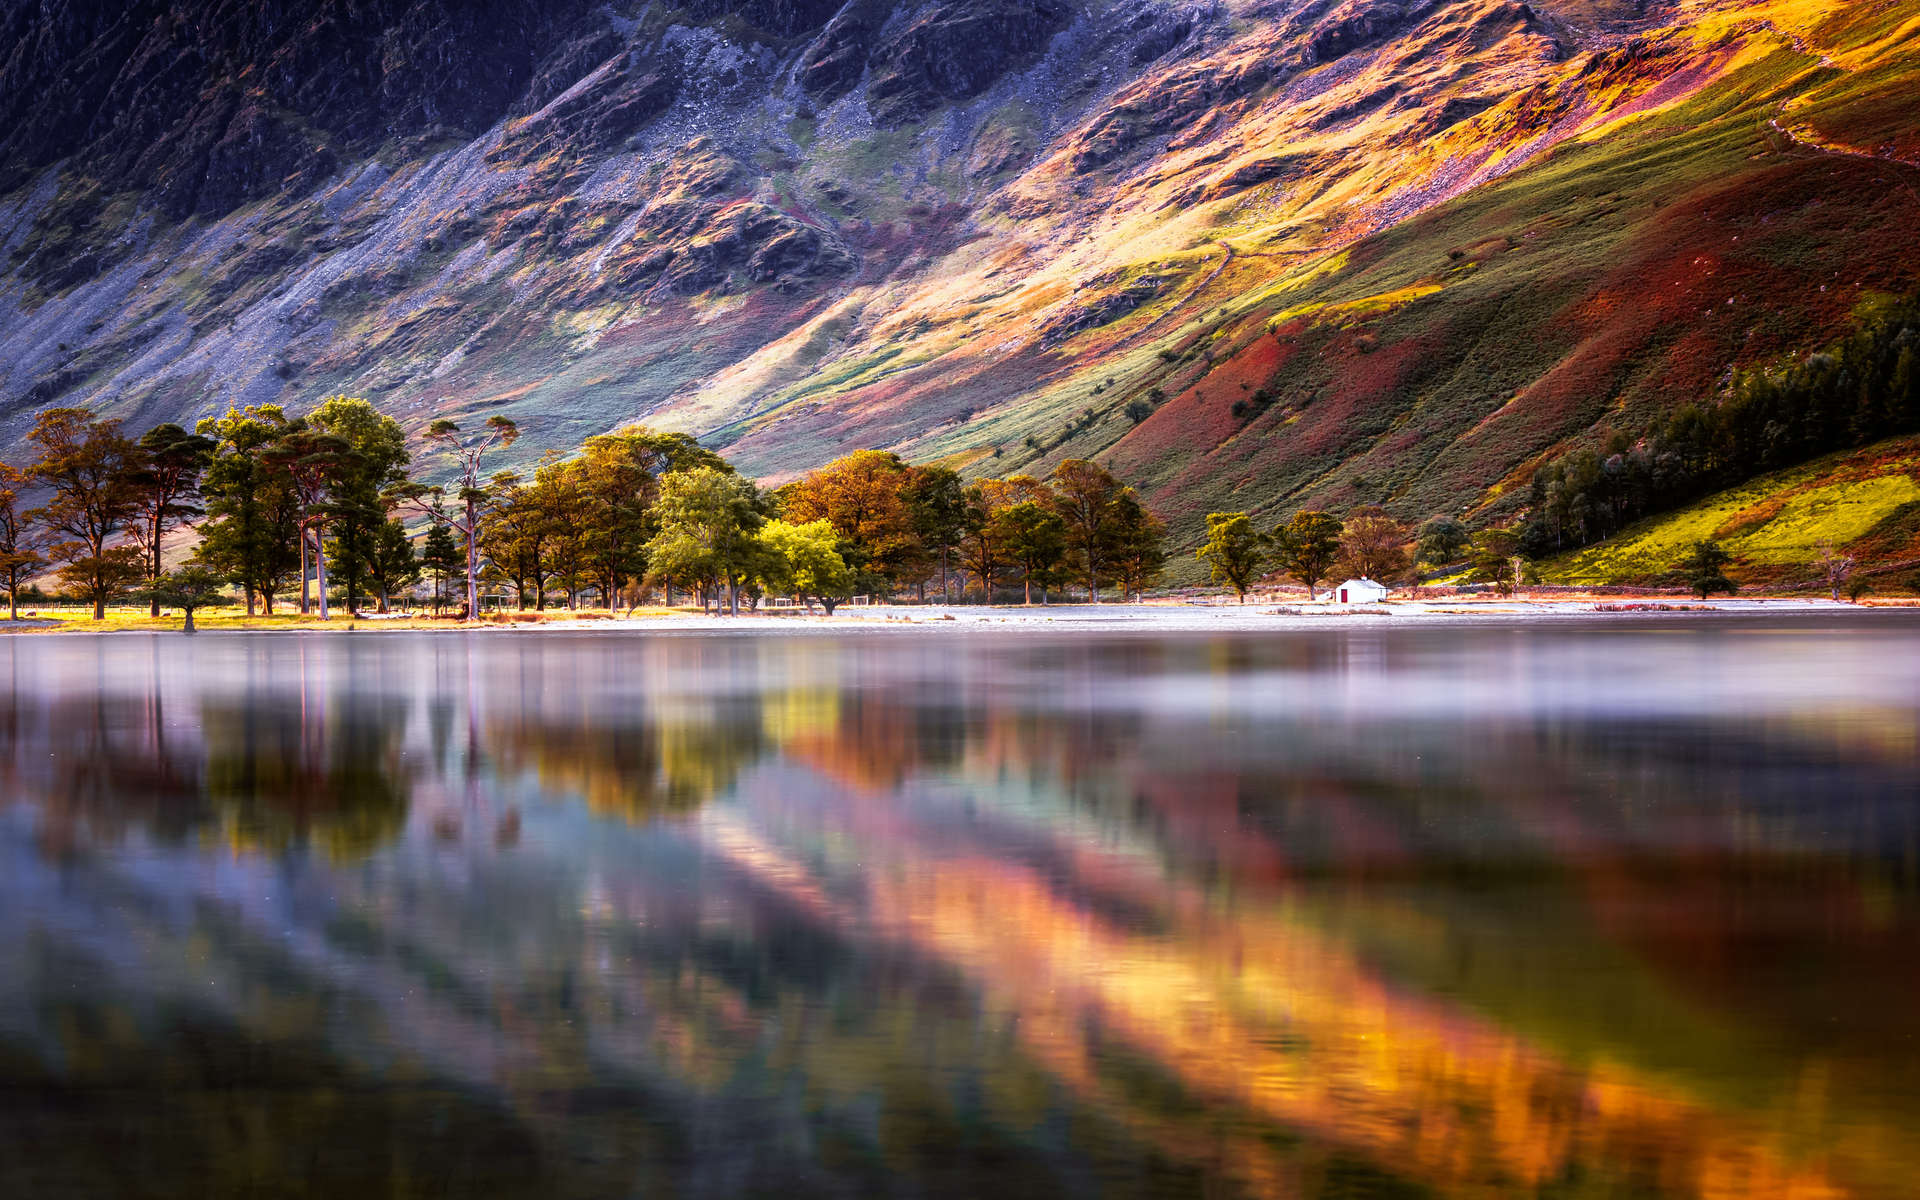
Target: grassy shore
(1222,614)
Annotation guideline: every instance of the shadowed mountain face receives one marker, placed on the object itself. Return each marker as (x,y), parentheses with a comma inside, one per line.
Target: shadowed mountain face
(1254,252)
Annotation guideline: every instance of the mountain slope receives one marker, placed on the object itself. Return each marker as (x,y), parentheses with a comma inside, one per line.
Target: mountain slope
(1863,504)
(1254,253)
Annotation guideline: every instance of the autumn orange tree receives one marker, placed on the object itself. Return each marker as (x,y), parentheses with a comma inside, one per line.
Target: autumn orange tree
(1373,546)
(87,464)
(1085,495)
(19,556)
(864,497)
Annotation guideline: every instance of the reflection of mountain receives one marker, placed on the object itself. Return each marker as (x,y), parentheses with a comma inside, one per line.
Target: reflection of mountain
(1209,989)
(137,1107)
(958,917)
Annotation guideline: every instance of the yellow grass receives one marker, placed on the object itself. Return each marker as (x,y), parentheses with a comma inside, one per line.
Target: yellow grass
(72,619)
(1777,520)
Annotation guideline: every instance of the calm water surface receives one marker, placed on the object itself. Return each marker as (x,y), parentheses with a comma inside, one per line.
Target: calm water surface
(1565,910)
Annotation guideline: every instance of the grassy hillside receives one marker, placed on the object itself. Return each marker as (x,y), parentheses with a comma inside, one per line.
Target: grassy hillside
(1251,258)
(1864,503)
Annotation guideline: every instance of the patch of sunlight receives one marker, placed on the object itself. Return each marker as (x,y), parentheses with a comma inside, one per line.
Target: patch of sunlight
(1839,512)
(1365,306)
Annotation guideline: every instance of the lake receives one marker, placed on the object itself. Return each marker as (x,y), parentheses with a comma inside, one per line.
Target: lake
(1576,908)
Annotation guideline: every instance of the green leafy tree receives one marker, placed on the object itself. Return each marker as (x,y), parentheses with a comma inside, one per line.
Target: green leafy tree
(369,471)
(166,487)
(1494,552)
(805,560)
(19,554)
(392,567)
(1084,493)
(313,463)
(514,539)
(620,484)
(1035,538)
(1443,542)
(189,588)
(564,517)
(1234,551)
(87,465)
(1705,569)
(937,504)
(1138,545)
(709,525)
(1307,546)
(253,514)
(440,557)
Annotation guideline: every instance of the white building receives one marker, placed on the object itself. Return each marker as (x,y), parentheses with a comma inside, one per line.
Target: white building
(1360,591)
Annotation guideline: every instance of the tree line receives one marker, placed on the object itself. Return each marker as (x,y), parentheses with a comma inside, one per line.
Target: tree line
(1313,547)
(870,523)
(319,504)
(1862,388)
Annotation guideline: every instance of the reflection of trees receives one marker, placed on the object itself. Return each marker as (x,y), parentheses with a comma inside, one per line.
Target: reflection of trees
(101,764)
(635,765)
(283,775)
(274,768)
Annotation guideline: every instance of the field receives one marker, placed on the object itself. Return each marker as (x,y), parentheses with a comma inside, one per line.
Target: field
(1863,503)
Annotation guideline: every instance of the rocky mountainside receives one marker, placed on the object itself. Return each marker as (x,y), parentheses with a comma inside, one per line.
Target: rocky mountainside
(1254,253)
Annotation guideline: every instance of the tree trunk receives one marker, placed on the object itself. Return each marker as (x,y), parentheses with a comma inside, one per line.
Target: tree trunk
(153,573)
(473,560)
(306,591)
(188,627)
(249,590)
(945,598)
(1027,584)
(320,568)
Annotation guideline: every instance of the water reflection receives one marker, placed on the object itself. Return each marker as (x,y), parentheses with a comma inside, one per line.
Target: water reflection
(1589,910)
